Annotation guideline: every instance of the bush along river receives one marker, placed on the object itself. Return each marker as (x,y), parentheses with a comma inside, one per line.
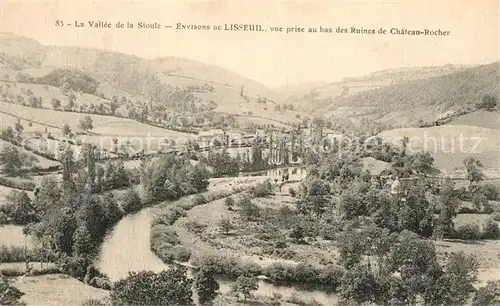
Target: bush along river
(127,249)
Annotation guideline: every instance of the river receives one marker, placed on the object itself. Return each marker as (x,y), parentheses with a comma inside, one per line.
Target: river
(127,247)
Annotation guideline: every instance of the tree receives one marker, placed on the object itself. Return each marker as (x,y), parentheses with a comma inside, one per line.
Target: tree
(490,229)
(473,168)
(19,127)
(488,102)
(66,130)
(449,203)
(229,202)
(8,134)
(47,196)
(65,88)
(68,163)
(358,285)
(86,123)
(114,105)
(130,201)
(71,102)
(9,295)
(352,245)
(19,208)
(245,285)
(453,285)
(11,160)
(488,295)
(169,287)
(248,209)
(225,225)
(83,245)
(316,199)
(56,104)
(206,285)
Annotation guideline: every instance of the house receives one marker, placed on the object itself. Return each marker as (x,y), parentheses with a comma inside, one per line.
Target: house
(260,133)
(207,138)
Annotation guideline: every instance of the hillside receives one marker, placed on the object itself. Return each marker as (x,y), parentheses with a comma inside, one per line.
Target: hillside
(481,118)
(174,84)
(451,144)
(311,96)
(423,100)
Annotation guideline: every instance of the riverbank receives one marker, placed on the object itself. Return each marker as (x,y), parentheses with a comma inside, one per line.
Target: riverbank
(127,247)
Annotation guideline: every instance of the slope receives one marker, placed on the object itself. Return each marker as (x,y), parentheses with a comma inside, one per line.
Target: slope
(423,100)
(318,95)
(141,79)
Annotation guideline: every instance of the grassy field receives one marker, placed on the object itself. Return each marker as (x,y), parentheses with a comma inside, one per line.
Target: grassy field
(5,191)
(134,144)
(479,118)
(7,120)
(242,241)
(462,219)
(37,160)
(12,235)
(49,92)
(56,289)
(450,145)
(486,251)
(104,125)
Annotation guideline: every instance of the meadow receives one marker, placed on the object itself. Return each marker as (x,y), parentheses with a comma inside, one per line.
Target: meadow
(104,125)
(36,160)
(451,144)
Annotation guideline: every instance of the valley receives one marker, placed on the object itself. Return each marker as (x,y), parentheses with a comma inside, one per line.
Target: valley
(384,187)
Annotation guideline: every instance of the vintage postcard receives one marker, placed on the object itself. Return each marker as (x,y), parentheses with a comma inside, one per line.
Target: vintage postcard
(249,152)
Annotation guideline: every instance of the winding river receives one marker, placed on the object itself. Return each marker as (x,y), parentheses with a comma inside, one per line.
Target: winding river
(127,247)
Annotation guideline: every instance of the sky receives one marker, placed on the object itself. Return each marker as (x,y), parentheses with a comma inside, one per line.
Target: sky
(272,58)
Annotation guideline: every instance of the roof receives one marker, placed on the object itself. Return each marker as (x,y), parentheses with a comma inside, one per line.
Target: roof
(210,133)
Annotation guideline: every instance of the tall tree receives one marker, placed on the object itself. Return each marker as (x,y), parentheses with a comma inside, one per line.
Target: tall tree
(206,285)
(169,287)
(11,160)
(473,168)
(245,285)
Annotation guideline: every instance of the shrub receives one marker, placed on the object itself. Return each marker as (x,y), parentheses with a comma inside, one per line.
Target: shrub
(468,232)
(181,253)
(75,266)
(161,234)
(248,209)
(171,215)
(199,200)
(331,275)
(295,299)
(305,273)
(50,270)
(12,272)
(168,287)
(490,191)
(262,190)
(18,184)
(195,227)
(96,302)
(285,253)
(130,201)
(292,192)
(229,202)
(488,295)
(490,229)
(12,254)
(495,216)
(479,200)
(227,266)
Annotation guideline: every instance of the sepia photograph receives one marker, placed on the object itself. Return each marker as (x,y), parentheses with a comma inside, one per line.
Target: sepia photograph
(295,153)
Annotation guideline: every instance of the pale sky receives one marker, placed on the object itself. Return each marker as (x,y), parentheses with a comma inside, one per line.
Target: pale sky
(274,58)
